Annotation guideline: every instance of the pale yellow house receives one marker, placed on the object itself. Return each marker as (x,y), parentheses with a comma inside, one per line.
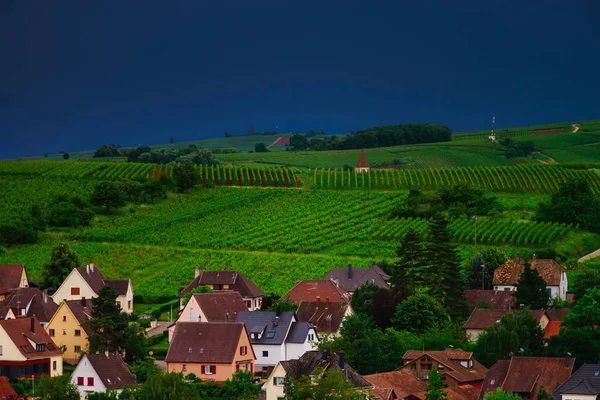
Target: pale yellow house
(67,328)
(26,350)
(86,282)
(12,276)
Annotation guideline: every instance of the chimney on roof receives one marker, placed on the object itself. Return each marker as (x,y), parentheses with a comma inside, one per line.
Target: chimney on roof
(318,301)
(326,302)
(342,364)
(106,353)
(277,311)
(521,352)
(196,272)
(324,356)
(83,302)
(227,316)
(87,269)
(349,271)
(92,267)
(276,322)
(45,295)
(568,360)
(534,257)
(32,320)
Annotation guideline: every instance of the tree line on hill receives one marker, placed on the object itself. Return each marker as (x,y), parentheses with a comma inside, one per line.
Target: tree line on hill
(145,154)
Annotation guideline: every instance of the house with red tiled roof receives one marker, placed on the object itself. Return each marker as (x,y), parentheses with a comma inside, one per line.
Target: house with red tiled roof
(525,376)
(68,328)
(213,351)
(402,382)
(326,316)
(100,372)
(310,290)
(508,274)
(30,302)
(556,316)
(362,165)
(482,318)
(12,276)
(458,367)
(26,350)
(86,282)
(226,281)
(497,299)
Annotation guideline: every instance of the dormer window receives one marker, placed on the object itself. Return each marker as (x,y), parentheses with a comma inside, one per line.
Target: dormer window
(40,347)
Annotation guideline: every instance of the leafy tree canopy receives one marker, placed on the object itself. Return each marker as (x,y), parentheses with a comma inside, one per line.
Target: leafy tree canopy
(418,314)
(260,147)
(108,195)
(186,176)
(531,289)
(57,388)
(62,261)
(107,150)
(435,386)
(500,394)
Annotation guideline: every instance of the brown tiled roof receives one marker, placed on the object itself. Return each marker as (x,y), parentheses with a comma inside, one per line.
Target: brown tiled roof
(351,278)
(20,333)
(40,305)
(552,329)
(82,311)
(206,342)
(4,312)
(236,281)
(494,377)
(92,275)
(313,360)
(362,160)
(112,370)
(499,299)
(538,314)
(510,272)
(465,392)
(482,318)
(451,362)
(216,306)
(528,374)
(10,276)
(382,393)
(403,382)
(20,297)
(119,285)
(6,390)
(309,290)
(557,314)
(325,317)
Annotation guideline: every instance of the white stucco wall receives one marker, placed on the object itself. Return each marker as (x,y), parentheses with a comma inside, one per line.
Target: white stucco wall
(273,392)
(276,354)
(74,280)
(84,369)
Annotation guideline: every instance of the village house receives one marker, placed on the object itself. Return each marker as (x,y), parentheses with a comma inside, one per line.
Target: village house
(584,384)
(310,290)
(312,363)
(30,302)
(399,383)
(277,336)
(100,372)
(226,281)
(12,276)
(68,330)
(482,318)
(351,278)
(213,351)
(508,274)
(525,376)
(458,367)
(495,299)
(211,307)
(86,282)
(362,165)
(327,317)
(26,350)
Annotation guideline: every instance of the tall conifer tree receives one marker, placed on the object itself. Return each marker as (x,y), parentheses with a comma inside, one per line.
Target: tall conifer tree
(531,289)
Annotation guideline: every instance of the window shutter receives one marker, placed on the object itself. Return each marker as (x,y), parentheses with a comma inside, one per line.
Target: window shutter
(80,380)
(274,381)
(237,367)
(203,370)
(214,369)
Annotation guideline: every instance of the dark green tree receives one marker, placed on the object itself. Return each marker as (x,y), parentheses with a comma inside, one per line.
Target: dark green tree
(435,386)
(418,314)
(362,299)
(476,275)
(584,345)
(17,232)
(531,289)
(66,210)
(492,258)
(585,315)
(240,386)
(283,305)
(406,275)
(584,281)
(107,150)
(500,394)
(62,261)
(329,384)
(260,147)
(442,274)
(39,219)
(573,203)
(153,190)
(186,176)
(299,142)
(57,388)
(515,331)
(66,156)
(108,195)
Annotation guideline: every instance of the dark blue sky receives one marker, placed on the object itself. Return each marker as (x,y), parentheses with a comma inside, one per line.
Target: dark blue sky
(75,74)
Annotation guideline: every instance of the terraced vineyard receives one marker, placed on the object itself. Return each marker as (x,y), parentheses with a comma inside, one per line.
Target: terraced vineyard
(76,170)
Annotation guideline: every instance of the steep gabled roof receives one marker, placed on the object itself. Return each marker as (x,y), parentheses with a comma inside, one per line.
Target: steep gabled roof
(298,332)
(40,305)
(351,278)
(6,390)
(10,277)
(205,342)
(451,359)
(273,328)
(82,311)
(482,318)
(120,286)
(312,361)
(499,299)
(111,369)
(494,377)
(403,382)
(557,314)
(510,272)
(309,290)
(236,281)
(96,280)
(325,317)
(362,160)
(23,331)
(586,380)
(217,306)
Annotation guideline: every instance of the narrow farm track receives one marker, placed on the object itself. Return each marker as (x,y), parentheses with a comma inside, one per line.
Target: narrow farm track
(575,128)
(593,254)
